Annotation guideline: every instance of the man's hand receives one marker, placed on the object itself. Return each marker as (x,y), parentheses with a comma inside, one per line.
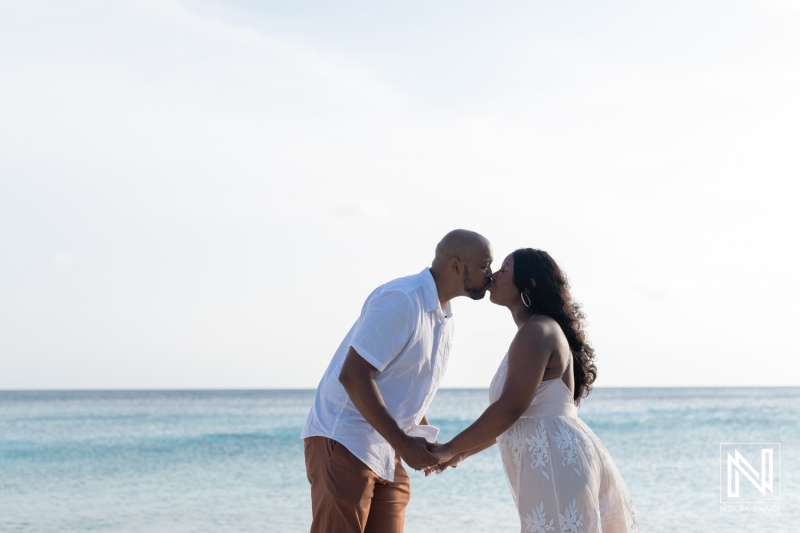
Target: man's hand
(428,445)
(415,452)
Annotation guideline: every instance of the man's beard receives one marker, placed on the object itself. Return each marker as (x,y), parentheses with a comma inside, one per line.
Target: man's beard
(476,293)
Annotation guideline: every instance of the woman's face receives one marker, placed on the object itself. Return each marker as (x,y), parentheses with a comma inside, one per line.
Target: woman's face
(502,290)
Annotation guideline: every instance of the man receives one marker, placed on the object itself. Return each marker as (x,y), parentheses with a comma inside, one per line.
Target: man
(370,406)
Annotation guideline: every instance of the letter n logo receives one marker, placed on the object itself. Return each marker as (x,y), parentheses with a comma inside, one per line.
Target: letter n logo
(743,482)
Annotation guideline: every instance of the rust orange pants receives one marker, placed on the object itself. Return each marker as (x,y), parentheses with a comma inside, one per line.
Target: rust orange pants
(346,496)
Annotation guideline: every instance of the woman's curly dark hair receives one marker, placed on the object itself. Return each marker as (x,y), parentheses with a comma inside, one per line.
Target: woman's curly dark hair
(551,297)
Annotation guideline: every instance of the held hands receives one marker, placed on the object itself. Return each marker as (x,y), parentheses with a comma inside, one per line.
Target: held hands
(416,452)
(446,459)
(420,454)
(441,467)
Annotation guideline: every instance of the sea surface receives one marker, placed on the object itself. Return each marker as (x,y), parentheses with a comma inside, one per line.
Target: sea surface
(202,461)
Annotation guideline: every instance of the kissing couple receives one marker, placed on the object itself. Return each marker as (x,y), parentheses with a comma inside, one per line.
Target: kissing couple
(370,408)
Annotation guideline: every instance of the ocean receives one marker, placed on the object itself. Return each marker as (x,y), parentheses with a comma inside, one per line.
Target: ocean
(201,461)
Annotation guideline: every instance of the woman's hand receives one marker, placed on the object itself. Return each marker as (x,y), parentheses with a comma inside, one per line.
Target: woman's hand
(441,467)
(443,453)
(446,459)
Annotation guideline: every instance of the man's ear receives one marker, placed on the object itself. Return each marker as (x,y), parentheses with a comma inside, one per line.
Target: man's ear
(455,264)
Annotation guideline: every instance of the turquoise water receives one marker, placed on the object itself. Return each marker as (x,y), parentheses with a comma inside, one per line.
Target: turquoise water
(233,461)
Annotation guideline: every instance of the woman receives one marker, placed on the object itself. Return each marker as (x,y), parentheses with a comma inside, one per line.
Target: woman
(561,475)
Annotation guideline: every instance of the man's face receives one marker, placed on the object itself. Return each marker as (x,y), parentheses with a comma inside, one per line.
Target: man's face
(478,274)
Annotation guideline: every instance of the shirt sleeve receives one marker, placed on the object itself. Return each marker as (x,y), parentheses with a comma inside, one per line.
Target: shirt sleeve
(386,325)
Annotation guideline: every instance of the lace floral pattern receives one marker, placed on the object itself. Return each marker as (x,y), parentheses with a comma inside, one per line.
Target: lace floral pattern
(567,443)
(570,521)
(537,521)
(515,441)
(540,449)
(609,506)
(593,454)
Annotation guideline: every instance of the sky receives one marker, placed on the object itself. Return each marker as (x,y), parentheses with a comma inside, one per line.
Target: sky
(201,194)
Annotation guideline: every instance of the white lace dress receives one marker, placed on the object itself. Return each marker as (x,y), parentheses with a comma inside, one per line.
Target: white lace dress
(561,475)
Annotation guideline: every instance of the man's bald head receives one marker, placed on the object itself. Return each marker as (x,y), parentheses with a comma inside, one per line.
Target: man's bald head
(462,244)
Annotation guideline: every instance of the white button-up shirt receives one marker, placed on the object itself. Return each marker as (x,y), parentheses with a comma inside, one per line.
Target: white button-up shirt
(404,333)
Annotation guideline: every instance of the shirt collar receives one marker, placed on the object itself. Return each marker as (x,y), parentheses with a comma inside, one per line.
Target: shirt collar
(431,295)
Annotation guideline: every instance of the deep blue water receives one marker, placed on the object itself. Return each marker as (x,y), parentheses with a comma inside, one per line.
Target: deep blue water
(199,461)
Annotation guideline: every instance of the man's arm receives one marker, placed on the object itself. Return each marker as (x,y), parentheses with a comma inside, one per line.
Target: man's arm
(358,379)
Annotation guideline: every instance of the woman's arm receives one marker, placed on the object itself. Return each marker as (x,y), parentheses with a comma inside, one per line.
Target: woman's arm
(479,449)
(528,357)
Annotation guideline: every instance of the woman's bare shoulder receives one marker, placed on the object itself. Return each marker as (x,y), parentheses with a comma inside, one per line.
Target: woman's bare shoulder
(540,334)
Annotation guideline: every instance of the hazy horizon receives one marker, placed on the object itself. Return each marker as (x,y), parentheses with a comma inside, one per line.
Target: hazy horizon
(312,389)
